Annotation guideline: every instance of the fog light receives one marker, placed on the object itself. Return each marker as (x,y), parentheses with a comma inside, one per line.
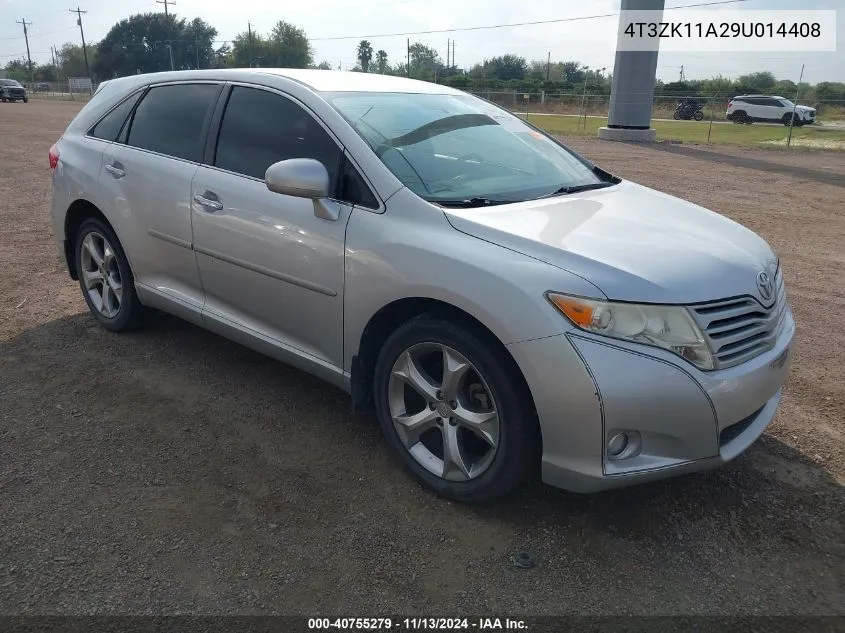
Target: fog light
(617,444)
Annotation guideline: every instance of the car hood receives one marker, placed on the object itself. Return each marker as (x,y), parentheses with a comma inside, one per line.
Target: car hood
(633,243)
(804,108)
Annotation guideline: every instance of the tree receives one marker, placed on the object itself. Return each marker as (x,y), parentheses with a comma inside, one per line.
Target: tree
(425,61)
(144,43)
(72,60)
(248,50)
(223,57)
(323,65)
(17,69)
(504,67)
(762,81)
(364,55)
(381,61)
(287,47)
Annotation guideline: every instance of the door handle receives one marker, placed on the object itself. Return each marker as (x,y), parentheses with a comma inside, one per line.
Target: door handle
(208,203)
(115,171)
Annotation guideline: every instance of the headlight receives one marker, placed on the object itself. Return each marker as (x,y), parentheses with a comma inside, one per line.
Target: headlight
(668,327)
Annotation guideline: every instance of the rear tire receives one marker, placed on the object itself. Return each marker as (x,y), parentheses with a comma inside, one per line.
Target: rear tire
(105,277)
(478,410)
(739,117)
(677,116)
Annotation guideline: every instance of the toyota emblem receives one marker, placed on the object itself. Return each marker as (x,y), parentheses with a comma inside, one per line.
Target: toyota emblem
(765,285)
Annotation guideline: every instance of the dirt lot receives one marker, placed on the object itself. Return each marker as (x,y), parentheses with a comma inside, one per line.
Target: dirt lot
(172,471)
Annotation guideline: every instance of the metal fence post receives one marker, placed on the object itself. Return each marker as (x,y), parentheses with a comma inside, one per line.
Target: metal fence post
(712,110)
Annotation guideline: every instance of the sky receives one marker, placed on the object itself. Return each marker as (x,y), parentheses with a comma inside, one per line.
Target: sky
(592,42)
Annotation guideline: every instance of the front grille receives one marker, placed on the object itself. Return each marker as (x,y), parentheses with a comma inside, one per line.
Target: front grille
(739,329)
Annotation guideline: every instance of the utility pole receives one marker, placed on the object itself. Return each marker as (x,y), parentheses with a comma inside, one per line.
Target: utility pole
(448,46)
(197,48)
(683,77)
(26,37)
(165,3)
(548,66)
(249,30)
(170,50)
(79,13)
(408,44)
(453,53)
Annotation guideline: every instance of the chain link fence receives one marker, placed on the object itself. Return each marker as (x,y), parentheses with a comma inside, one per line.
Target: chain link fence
(582,114)
(62,90)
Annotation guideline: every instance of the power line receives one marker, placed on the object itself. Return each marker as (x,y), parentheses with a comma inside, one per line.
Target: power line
(18,37)
(508,25)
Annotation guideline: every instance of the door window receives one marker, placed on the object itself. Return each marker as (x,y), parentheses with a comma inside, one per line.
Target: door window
(171,120)
(260,128)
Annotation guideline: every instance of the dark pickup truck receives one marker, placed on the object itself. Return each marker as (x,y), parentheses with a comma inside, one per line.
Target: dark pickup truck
(11,90)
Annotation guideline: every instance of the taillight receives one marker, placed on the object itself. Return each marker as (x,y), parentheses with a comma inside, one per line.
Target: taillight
(54,156)
(730,103)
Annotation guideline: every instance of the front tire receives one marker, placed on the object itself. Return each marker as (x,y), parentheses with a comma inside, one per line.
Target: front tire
(698,116)
(452,411)
(105,277)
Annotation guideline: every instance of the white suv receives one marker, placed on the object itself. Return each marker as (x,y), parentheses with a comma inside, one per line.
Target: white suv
(767,109)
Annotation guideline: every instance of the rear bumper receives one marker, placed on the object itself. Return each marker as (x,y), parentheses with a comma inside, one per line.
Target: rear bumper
(677,419)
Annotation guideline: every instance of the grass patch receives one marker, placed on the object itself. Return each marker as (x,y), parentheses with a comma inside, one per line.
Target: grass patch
(696,132)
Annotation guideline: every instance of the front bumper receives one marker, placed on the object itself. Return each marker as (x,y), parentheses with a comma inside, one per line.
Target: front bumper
(678,419)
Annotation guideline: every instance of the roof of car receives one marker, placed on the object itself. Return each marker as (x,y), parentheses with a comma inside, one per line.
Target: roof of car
(766,96)
(347,81)
(317,80)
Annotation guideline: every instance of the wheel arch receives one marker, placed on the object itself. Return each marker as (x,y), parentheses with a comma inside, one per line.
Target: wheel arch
(391,316)
(79,211)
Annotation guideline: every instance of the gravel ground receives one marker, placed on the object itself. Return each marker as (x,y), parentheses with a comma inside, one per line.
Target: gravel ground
(171,471)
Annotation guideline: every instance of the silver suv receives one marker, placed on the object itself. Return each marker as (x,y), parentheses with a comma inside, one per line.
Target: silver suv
(504,304)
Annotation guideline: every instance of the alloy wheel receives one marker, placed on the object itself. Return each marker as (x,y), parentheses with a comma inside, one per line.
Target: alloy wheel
(101,274)
(443,411)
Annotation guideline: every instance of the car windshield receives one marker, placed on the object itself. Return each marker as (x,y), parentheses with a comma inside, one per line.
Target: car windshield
(787,103)
(456,149)
(9,82)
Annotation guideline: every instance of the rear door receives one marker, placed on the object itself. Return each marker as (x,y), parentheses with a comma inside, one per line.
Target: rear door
(146,182)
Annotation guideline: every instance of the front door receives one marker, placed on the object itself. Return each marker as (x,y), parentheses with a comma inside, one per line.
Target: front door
(267,263)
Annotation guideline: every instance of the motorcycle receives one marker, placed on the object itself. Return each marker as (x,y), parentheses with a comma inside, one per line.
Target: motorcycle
(687,110)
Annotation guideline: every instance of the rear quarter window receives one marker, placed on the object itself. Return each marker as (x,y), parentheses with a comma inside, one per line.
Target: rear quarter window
(110,125)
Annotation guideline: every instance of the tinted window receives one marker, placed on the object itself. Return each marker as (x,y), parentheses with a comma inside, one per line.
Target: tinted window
(353,188)
(171,119)
(109,126)
(260,128)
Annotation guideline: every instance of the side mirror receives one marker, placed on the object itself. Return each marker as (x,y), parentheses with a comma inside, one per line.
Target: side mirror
(299,177)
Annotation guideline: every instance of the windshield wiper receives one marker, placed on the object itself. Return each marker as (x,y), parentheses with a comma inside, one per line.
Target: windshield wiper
(471,203)
(578,188)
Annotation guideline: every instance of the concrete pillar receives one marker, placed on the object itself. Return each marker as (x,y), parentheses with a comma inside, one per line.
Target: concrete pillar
(632,90)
